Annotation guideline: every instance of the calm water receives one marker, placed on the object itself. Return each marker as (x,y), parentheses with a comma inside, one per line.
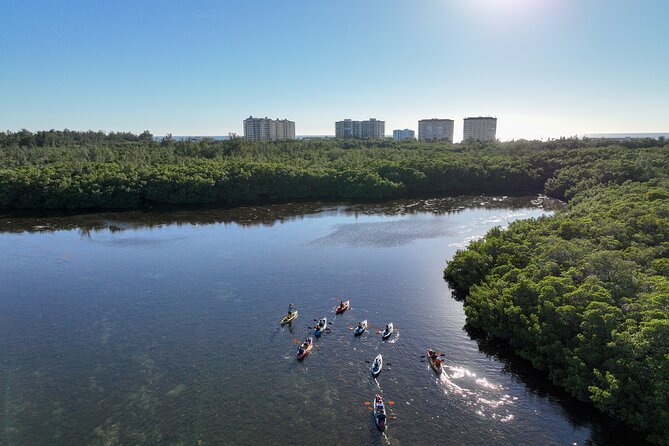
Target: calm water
(162,328)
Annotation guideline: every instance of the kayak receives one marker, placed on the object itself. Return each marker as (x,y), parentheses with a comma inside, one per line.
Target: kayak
(379,413)
(320,328)
(362,326)
(291,317)
(377,365)
(343,307)
(387,331)
(436,366)
(303,351)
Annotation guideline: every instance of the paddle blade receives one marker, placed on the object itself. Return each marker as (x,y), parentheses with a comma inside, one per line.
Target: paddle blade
(391,402)
(367,403)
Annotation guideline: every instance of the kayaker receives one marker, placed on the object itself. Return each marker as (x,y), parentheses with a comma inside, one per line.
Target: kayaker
(387,328)
(290,309)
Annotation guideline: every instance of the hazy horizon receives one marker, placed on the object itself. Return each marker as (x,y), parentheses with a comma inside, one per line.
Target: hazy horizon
(544,68)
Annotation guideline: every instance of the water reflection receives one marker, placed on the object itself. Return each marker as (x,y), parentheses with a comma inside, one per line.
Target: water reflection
(22,221)
(579,414)
(162,328)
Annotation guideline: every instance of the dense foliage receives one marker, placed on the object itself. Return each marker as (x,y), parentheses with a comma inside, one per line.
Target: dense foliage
(94,170)
(584,295)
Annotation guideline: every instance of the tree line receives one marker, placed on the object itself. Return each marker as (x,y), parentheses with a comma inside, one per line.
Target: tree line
(584,295)
(65,170)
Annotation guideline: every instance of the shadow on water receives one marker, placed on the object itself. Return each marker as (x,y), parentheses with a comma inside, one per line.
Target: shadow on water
(538,382)
(250,216)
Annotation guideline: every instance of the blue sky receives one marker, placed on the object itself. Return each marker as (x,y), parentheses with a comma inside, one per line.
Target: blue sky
(545,68)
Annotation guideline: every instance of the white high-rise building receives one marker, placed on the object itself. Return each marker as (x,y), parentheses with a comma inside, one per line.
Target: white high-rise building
(482,128)
(264,129)
(435,129)
(371,129)
(347,129)
(399,135)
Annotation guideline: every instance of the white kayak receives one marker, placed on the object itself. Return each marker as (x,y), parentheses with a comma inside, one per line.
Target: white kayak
(387,331)
(320,328)
(377,365)
(362,326)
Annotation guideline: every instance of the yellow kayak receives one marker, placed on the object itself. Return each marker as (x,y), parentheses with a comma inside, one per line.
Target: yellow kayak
(292,316)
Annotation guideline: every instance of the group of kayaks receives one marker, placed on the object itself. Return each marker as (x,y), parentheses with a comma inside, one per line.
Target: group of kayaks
(304,349)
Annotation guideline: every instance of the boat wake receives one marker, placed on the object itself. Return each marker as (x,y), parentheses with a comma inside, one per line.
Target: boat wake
(485,398)
(385,437)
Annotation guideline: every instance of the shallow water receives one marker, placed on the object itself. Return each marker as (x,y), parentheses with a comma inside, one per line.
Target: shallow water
(162,328)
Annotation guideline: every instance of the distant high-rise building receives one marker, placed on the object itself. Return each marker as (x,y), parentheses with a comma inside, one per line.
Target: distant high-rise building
(264,129)
(483,128)
(435,129)
(347,129)
(399,135)
(371,129)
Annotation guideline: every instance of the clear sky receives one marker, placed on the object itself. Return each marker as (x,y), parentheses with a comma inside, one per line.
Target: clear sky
(544,68)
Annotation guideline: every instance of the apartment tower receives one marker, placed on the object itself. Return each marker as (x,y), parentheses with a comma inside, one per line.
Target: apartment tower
(435,129)
(482,128)
(399,135)
(264,129)
(371,129)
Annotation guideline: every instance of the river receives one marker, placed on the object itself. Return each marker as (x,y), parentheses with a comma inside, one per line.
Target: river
(161,327)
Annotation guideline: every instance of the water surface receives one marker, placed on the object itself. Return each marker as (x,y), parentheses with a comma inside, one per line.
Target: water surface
(162,328)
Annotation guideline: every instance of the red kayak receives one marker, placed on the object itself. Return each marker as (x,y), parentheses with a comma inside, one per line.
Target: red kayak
(343,307)
(304,349)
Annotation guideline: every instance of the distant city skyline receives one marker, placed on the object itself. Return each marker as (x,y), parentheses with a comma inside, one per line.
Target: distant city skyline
(544,68)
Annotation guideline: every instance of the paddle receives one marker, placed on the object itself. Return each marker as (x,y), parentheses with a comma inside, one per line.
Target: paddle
(369,362)
(440,354)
